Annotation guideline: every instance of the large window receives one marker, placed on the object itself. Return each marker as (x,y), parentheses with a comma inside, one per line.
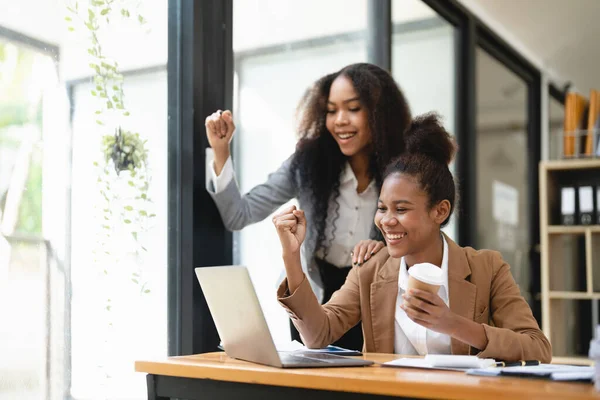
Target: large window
(83,249)
(280,49)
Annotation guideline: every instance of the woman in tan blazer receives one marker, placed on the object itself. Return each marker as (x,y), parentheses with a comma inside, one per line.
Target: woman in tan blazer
(478,310)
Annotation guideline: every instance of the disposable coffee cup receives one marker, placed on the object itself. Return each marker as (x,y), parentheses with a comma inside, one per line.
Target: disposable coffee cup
(425,276)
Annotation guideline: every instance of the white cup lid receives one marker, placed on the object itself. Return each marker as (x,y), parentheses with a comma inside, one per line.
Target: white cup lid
(427,273)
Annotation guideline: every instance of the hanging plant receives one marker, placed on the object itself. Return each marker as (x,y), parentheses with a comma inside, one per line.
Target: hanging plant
(125,149)
(124,152)
(123,177)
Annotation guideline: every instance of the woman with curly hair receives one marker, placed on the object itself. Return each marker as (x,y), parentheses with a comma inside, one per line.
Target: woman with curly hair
(351,125)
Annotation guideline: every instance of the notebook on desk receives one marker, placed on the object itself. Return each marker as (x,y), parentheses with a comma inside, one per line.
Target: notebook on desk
(241,324)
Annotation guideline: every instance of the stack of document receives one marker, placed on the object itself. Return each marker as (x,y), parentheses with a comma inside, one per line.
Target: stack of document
(443,361)
(545,371)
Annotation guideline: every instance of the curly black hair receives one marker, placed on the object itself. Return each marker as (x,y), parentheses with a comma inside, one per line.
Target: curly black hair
(318,161)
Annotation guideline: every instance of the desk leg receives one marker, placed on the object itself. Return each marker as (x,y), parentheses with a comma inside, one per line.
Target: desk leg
(151,382)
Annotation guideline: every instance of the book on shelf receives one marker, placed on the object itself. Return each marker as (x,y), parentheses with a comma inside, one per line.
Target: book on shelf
(593,120)
(597,129)
(575,112)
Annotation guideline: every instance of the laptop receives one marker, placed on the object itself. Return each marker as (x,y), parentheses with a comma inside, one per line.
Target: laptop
(241,324)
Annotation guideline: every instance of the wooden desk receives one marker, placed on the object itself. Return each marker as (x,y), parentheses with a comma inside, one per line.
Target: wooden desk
(216,376)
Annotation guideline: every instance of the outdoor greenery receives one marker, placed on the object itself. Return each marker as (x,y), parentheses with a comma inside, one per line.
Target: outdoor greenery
(19,109)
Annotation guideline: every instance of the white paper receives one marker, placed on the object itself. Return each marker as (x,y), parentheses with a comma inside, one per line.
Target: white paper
(294,345)
(505,203)
(442,361)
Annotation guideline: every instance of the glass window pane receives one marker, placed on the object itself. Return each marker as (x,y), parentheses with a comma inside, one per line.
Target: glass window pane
(556,113)
(281,48)
(423,64)
(27,76)
(502,166)
(83,250)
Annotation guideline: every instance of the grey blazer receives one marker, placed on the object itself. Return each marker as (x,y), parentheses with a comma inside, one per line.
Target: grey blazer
(239,211)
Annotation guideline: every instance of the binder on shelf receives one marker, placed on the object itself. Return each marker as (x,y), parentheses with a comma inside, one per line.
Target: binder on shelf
(586,205)
(567,205)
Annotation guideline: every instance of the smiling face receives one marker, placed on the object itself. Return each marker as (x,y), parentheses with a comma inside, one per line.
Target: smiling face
(347,119)
(409,225)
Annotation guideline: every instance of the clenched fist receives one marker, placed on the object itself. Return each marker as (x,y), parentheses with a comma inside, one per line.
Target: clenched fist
(219,131)
(291,228)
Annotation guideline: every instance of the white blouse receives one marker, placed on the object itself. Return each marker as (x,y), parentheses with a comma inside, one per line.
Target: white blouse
(411,338)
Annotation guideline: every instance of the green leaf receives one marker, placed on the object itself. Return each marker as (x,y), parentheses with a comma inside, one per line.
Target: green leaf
(147,291)
(135,236)
(68,19)
(127,221)
(115,99)
(99,122)
(105,11)
(96,164)
(94,93)
(105,272)
(109,104)
(99,112)
(135,274)
(98,87)
(106,226)
(120,106)
(152,215)
(135,280)
(126,113)
(143,213)
(131,183)
(125,13)
(144,196)
(128,208)
(91,14)
(71,29)
(141,19)
(115,87)
(108,308)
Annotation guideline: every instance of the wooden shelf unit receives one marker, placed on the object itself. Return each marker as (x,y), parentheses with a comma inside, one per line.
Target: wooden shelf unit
(570,261)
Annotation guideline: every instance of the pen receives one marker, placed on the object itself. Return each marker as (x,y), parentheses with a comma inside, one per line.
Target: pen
(522,363)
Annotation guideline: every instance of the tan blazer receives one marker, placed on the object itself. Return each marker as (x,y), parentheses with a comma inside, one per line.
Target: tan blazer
(481,289)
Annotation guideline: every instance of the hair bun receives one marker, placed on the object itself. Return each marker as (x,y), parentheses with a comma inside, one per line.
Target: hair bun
(427,136)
